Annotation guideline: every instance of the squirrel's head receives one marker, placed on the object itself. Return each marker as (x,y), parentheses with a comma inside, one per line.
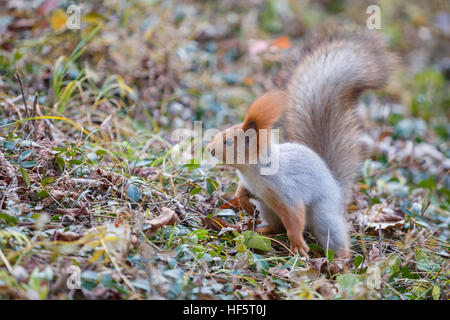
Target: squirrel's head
(243,142)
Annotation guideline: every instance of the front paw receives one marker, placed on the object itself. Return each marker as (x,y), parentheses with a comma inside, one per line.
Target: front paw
(299,246)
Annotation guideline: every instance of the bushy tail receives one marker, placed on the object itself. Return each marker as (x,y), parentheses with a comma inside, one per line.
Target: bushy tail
(323,90)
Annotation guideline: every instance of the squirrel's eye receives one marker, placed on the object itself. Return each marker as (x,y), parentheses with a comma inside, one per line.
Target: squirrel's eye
(228,142)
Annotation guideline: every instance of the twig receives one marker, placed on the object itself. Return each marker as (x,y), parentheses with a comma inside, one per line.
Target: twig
(379,241)
(5,261)
(23,94)
(36,96)
(87,181)
(117,266)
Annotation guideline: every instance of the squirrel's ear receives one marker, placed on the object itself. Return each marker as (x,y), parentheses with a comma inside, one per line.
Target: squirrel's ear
(265,111)
(251,125)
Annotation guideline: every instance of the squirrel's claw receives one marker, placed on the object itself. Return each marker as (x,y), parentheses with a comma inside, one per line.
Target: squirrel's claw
(300,247)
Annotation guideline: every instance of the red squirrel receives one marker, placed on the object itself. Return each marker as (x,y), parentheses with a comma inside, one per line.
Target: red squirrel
(318,163)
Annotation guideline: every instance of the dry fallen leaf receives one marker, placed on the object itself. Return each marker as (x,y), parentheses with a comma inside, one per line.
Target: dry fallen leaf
(326,289)
(379,216)
(74,212)
(167,217)
(65,236)
(373,253)
(55,195)
(280,272)
(339,265)
(215,223)
(232,204)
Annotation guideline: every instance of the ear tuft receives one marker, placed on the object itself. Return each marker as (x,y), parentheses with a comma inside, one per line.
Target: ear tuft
(265,111)
(251,125)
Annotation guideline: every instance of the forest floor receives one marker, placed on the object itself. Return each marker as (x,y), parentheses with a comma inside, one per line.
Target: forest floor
(89,190)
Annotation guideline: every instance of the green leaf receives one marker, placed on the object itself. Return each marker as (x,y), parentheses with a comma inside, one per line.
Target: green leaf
(256,241)
(195,191)
(107,280)
(28,164)
(133,193)
(436,292)
(10,146)
(211,186)
(42,193)
(159,160)
(239,239)
(315,246)
(100,152)
(8,219)
(259,262)
(60,163)
(192,165)
(141,284)
(200,233)
(25,176)
(357,262)
(56,217)
(347,282)
(427,183)
(60,150)
(89,279)
(47,180)
(76,161)
(330,255)
(425,263)
(25,155)
(270,18)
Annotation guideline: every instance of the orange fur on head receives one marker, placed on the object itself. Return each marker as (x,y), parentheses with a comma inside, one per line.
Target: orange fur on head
(265,111)
(262,114)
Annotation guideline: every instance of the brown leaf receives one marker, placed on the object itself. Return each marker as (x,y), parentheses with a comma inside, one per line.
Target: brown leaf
(143,172)
(231,204)
(55,195)
(280,272)
(8,178)
(65,236)
(47,146)
(167,217)
(326,289)
(215,223)
(74,212)
(323,266)
(380,216)
(373,253)
(106,129)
